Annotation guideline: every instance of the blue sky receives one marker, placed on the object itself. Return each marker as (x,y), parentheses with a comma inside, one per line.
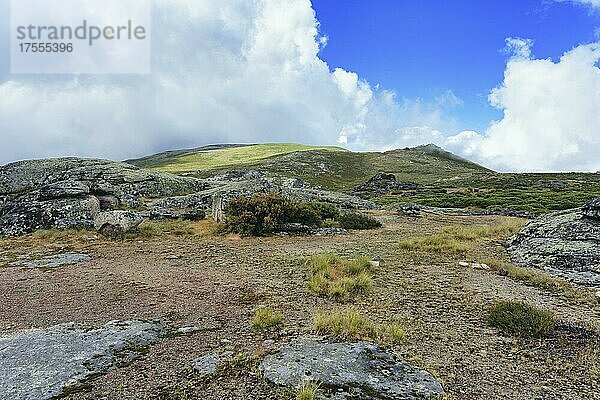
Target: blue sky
(423,48)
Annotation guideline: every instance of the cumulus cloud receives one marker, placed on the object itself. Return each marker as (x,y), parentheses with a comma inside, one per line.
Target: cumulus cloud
(551,116)
(234,71)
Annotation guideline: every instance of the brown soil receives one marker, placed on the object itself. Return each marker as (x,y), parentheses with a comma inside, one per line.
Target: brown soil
(216,284)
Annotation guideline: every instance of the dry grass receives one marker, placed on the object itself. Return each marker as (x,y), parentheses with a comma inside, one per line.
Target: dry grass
(346,324)
(308,390)
(151,229)
(542,280)
(459,239)
(351,324)
(329,275)
(266,318)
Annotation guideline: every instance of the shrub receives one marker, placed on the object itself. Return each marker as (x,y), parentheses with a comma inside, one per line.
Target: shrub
(520,319)
(346,324)
(326,210)
(358,221)
(266,318)
(262,214)
(330,276)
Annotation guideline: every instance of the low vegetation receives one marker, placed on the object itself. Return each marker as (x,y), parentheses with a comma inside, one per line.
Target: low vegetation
(542,280)
(308,390)
(266,318)
(330,276)
(358,221)
(459,239)
(350,324)
(345,324)
(520,319)
(150,229)
(264,214)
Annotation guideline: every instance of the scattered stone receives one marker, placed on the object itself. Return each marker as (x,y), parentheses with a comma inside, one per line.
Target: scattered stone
(359,370)
(108,202)
(598,296)
(207,365)
(410,209)
(52,261)
(464,264)
(563,243)
(114,224)
(380,184)
(40,364)
(592,210)
(188,330)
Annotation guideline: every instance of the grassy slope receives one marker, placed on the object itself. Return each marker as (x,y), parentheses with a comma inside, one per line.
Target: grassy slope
(232,157)
(447,180)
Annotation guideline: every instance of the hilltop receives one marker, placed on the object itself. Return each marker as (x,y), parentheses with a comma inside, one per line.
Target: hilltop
(442,179)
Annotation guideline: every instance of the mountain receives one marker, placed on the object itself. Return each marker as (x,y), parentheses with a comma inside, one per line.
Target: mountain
(443,179)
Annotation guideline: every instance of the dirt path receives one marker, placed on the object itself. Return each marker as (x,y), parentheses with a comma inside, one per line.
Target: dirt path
(216,284)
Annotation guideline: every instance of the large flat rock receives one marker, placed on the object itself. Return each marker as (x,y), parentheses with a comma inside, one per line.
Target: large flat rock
(39,364)
(565,243)
(359,370)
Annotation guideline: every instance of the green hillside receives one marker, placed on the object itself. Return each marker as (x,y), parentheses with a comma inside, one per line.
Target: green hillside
(445,180)
(218,157)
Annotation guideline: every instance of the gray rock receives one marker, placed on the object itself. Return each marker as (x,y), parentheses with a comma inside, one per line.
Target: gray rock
(51,261)
(29,213)
(69,192)
(39,364)
(207,365)
(564,243)
(108,202)
(63,189)
(360,370)
(592,210)
(115,224)
(382,183)
(193,215)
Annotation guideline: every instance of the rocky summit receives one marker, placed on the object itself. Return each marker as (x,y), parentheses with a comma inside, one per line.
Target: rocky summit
(358,370)
(564,243)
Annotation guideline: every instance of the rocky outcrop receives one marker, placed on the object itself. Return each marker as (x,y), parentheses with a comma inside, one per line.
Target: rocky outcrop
(70,192)
(381,184)
(349,371)
(114,224)
(565,243)
(40,364)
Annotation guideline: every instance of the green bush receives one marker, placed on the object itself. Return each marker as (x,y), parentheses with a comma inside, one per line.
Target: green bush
(358,221)
(326,211)
(520,319)
(261,214)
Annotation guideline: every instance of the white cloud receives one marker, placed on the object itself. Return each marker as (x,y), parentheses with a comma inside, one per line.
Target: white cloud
(551,115)
(593,3)
(249,71)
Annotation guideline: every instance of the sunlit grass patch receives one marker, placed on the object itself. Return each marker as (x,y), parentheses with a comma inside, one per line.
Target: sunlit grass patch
(346,324)
(351,324)
(329,275)
(460,239)
(308,390)
(266,318)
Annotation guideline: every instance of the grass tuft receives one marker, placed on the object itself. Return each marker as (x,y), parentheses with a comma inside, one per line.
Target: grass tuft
(329,275)
(345,324)
(520,319)
(308,390)
(266,318)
